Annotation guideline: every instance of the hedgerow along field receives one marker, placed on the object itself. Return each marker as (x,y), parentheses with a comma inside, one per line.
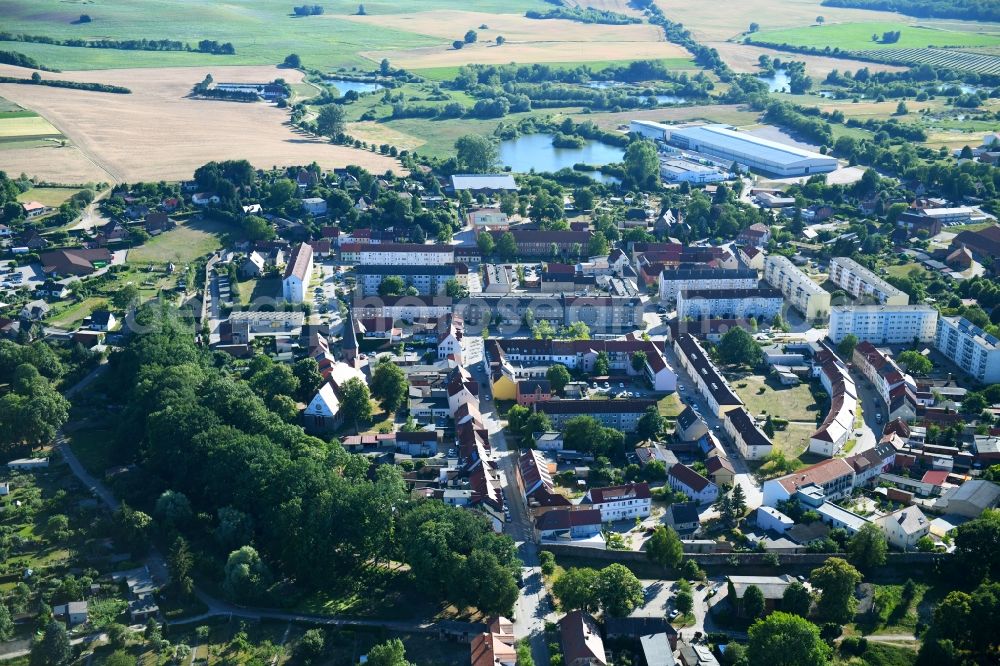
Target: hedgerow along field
(858,36)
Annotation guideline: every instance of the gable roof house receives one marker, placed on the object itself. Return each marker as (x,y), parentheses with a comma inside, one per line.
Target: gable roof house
(535,482)
(568,524)
(76,262)
(626,502)
(691,483)
(495,647)
(581,640)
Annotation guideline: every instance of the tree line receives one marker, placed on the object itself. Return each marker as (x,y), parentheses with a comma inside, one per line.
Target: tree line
(204,46)
(21,60)
(976,10)
(588,15)
(282,503)
(37,80)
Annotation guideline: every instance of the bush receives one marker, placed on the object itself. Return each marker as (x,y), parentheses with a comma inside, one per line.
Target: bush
(854,645)
(830,631)
(548,562)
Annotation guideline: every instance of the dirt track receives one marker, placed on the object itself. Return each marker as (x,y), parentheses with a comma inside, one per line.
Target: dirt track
(158,133)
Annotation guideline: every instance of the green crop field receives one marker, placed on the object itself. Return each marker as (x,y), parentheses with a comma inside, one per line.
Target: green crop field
(858,36)
(262,31)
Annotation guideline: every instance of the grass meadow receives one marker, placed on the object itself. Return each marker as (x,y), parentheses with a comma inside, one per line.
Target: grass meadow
(858,36)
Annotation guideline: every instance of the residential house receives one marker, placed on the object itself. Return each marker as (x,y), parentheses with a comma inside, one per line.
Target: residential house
(691,483)
(298,273)
(691,654)
(74,612)
(530,391)
(756,235)
(834,477)
(534,479)
(720,470)
(904,527)
(622,414)
(625,502)
(568,524)
(683,517)
(690,426)
(74,262)
(252,266)
(102,320)
(494,647)
(314,205)
(581,640)
(752,257)
(751,441)
(33,209)
(34,311)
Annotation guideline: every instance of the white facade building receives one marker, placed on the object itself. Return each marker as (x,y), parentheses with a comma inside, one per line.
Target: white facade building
(970,348)
(861,283)
(673,281)
(298,272)
(406,254)
(750,151)
(751,441)
(884,324)
(801,291)
(626,502)
(762,304)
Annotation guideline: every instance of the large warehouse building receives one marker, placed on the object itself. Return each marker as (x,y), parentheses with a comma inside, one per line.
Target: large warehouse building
(750,151)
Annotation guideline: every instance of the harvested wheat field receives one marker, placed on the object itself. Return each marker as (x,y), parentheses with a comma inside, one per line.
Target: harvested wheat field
(527,40)
(744,58)
(527,53)
(158,133)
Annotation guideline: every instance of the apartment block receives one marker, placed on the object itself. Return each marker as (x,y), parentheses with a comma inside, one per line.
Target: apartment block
(621,415)
(970,348)
(673,281)
(752,442)
(861,283)
(760,303)
(427,280)
(713,387)
(884,324)
(398,254)
(801,291)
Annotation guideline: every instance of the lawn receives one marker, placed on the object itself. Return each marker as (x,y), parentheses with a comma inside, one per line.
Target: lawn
(765,396)
(670,405)
(50,196)
(896,615)
(268,288)
(903,270)
(858,36)
(879,654)
(181,245)
(68,316)
(793,440)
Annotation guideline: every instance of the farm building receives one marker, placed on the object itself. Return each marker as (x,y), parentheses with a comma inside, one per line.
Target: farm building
(751,151)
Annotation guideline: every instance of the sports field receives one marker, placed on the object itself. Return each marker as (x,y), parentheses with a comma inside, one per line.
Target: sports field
(858,36)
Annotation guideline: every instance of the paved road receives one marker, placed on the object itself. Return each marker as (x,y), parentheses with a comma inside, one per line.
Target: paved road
(534,607)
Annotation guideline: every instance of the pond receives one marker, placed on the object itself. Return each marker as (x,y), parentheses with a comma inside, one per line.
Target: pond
(777,82)
(535,151)
(343,87)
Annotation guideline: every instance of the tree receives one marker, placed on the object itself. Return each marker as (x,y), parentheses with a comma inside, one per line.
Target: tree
(638,361)
(507,246)
(361,10)
(576,589)
(618,590)
(598,245)
(650,423)
(306,371)
(133,529)
(753,603)
(846,346)
(837,579)
(558,376)
(471,37)
(820,20)
(384,67)
(311,646)
(664,547)
(754,27)
(455,289)
(485,243)
(867,548)
(901,109)
(53,648)
(796,599)
(390,653)
(977,547)
(125,297)
(391,285)
(642,164)
(476,153)
(330,121)
(173,508)
(738,347)
(487,584)
(246,577)
(357,401)
(180,563)
(782,639)
(684,601)
(6,623)
(739,500)
(458,45)
(389,385)
(602,365)
(500,40)
(293,61)
(120,658)
(583,198)
(915,362)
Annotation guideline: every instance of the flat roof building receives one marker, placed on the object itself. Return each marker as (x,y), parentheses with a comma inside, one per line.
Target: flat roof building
(970,348)
(861,283)
(686,171)
(801,291)
(751,151)
(731,303)
(884,324)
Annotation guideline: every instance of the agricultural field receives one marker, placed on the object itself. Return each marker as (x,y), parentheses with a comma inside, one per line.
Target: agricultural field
(172,133)
(743,57)
(980,63)
(25,129)
(858,36)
